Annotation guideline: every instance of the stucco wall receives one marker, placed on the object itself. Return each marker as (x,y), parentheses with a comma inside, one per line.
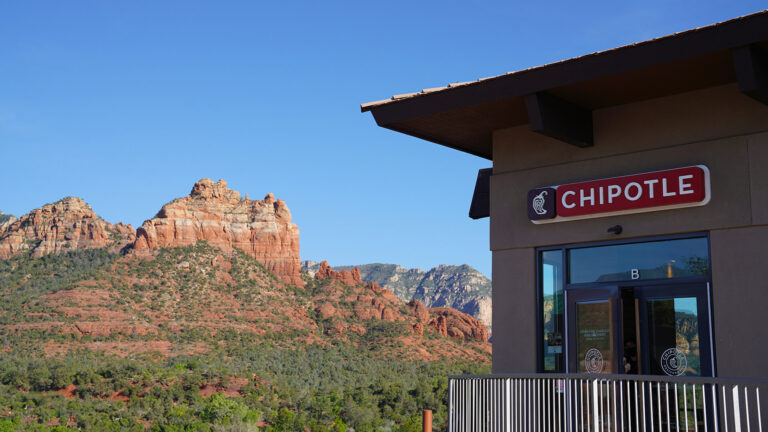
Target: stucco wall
(717,127)
(740,297)
(513,300)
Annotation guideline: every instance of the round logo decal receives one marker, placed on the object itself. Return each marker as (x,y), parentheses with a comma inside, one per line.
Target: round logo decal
(674,362)
(593,361)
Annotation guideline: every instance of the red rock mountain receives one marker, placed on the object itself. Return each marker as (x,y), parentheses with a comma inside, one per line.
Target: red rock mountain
(144,298)
(371,302)
(218,215)
(67,224)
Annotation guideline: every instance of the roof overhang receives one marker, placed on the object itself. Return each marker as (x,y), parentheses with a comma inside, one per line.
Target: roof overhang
(464,116)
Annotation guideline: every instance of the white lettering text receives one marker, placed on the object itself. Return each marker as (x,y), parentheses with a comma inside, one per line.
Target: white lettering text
(590,197)
(650,184)
(637,195)
(664,190)
(613,192)
(565,204)
(685,188)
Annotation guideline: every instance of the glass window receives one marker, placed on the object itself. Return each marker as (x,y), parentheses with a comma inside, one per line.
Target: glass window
(673,336)
(594,340)
(551,273)
(639,261)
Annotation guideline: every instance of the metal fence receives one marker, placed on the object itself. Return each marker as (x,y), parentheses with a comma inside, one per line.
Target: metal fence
(604,403)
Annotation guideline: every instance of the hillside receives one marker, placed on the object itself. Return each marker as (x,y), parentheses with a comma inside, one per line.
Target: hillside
(126,305)
(92,324)
(459,287)
(197,322)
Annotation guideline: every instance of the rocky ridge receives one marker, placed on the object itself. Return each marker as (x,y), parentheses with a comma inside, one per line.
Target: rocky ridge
(376,302)
(459,287)
(66,225)
(211,212)
(218,215)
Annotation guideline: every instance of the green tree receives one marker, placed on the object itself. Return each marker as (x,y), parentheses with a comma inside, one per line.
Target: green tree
(219,409)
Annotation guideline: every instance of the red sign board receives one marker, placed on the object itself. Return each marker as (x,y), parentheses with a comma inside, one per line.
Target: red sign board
(660,190)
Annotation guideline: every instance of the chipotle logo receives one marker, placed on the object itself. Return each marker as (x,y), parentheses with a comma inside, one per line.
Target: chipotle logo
(659,190)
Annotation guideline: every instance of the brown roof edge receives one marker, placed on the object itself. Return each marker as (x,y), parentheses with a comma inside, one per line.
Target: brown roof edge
(716,37)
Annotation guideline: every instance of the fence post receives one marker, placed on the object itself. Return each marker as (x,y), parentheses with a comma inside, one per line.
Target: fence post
(595,409)
(736,409)
(426,424)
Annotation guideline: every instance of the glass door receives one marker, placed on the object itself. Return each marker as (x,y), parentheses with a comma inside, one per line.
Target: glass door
(674,323)
(594,333)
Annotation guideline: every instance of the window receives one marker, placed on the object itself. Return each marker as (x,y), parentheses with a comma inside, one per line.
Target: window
(639,261)
(552,308)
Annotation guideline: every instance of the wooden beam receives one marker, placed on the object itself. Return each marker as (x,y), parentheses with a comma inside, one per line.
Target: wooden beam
(481,199)
(751,66)
(559,119)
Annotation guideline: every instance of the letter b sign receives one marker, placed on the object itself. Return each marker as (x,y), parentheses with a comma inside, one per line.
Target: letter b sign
(635,274)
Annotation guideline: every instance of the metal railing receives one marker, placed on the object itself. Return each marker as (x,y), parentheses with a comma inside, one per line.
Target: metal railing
(604,403)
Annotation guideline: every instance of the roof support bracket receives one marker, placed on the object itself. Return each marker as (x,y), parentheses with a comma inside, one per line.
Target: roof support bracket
(751,65)
(560,119)
(481,199)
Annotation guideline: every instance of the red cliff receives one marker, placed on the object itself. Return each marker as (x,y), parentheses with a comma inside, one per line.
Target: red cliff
(67,224)
(218,215)
(452,323)
(371,301)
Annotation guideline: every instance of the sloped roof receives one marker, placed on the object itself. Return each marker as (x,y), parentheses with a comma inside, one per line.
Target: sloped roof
(464,115)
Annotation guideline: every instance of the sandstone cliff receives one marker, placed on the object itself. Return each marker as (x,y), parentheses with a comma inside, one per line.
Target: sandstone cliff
(459,287)
(68,224)
(371,301)
(218,215)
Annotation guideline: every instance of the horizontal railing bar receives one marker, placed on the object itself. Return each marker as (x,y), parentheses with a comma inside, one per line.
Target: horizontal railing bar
(616,377)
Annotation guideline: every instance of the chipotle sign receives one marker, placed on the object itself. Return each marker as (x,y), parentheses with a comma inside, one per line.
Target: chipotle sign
(659,190)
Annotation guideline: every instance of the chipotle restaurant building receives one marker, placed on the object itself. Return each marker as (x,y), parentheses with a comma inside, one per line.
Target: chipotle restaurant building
(628,202)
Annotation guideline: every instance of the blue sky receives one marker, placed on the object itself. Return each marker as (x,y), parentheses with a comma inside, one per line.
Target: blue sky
(127,104)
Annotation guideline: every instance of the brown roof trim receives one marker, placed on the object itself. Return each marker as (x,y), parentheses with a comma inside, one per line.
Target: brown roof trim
(716,37)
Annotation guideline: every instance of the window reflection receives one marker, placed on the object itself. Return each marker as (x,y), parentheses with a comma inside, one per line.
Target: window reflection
(673,336)
(552,310)
(639,261)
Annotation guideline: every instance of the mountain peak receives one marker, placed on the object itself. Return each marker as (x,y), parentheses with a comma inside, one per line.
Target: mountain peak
(67,224)
(214,213)
(206,189)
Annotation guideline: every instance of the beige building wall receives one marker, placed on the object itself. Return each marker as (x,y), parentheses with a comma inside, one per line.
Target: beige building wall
(718,127)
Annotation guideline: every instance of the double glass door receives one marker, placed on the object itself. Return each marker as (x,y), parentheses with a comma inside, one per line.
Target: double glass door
(648,330)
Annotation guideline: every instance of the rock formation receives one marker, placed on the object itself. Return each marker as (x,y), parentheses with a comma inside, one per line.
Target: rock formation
(372,302)
(459,287)
(67,224)
(346,277)
(452,323)
(218,215)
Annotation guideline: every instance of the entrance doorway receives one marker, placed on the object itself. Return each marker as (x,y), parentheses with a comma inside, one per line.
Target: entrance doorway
(637,306)
(648,329)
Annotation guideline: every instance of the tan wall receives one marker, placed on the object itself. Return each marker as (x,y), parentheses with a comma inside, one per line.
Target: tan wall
(740,298)
(702,115)
(717,127)
(514,349)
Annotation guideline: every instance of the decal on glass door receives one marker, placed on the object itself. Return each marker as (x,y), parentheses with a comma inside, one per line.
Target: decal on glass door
(674,362)
(593,361)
